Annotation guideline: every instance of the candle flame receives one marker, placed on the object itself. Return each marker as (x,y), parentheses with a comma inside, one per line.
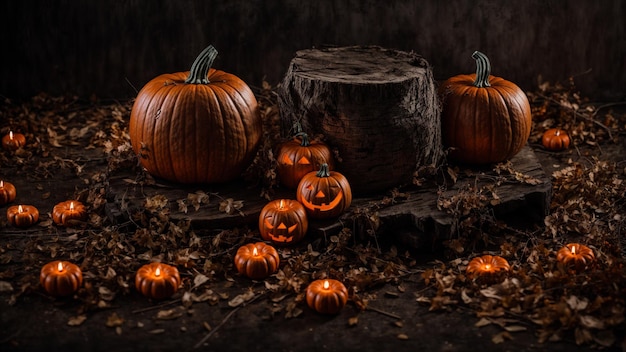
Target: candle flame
(282,204)
(1,183)
(10,134)
(71,205)
(254,251)
(573,249)
(157,272)
(20,209)
(60,266)
(326,285)
(557,133)
(487,266)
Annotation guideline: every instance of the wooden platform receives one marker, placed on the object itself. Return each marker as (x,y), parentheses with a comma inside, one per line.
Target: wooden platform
(415,212)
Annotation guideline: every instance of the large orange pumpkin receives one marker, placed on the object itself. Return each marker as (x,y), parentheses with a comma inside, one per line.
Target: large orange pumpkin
(485,119)
(324,194)
(201,126)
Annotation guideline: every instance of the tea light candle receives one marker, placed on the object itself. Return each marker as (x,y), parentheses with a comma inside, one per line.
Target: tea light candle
(488,268)
(257,260)
(326,296)
(22,215)
(68,212)
(7,192)
(157,280)
(13,141)
(576,256)
(60,278)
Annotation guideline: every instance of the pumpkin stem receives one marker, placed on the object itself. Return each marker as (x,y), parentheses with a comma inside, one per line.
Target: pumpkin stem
(200,67)
(323,171)
(305,139)
(297,126)
(483,70)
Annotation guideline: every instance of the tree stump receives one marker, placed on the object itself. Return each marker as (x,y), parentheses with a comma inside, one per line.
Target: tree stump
(377,107)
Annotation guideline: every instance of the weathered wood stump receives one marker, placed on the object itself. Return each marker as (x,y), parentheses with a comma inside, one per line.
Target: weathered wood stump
(377,107)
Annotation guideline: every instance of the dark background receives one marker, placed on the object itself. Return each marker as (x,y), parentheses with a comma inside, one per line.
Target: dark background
(108,47)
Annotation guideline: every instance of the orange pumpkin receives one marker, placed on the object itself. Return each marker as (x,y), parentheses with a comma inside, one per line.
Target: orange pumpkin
(576,256)
(326,296)
(22,215)
(201,126)
(324,194)
(488,268)
(485,119)
(257,260)
(283,221)
(68,213)
(555,139)
(60,278)
(13,141)
(157,280)
(7,192)
(298,157)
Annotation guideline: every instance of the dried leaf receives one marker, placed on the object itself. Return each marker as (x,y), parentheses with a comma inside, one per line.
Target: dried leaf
(77,320)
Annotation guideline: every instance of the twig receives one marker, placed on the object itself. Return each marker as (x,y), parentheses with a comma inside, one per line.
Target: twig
(162,305)
(383,312)
(232,312)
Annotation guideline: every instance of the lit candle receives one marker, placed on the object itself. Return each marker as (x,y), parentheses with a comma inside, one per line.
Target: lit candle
(488,268)
(283,222)
(22,215)
(257,260)
(7,192)
(60,278)
(576,256)
(68,213)
(326,296)
(13,141)
(157,280)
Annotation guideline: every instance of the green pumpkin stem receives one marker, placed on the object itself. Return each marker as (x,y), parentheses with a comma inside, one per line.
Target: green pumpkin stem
(305,139)
(323,171)
(200,67)
(483,70)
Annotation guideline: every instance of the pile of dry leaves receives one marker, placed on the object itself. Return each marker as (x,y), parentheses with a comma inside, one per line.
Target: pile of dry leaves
(588,206)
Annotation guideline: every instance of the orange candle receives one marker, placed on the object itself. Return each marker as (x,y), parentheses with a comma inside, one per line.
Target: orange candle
(326,296)
(60,278)
(7,192)
(13,141)
(68,212)
(22,215)
(576,256)
(157,280)
(257,260)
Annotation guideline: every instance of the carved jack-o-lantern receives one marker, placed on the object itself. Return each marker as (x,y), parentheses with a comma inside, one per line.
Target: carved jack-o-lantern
(283,222)
(324,194)
(298,157)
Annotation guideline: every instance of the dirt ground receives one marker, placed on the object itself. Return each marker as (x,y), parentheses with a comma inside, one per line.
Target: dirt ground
(392,304)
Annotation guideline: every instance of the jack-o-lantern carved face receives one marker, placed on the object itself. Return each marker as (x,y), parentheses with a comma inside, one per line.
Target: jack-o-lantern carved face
(297,158)
(324,194)
(283,222)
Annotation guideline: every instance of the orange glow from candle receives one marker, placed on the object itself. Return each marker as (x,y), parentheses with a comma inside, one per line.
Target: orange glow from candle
(60,267)
(71,206)
(157,272)
(487,266)
(326,285)
(281,206)
(11,135)
(20,209)
(573,249)
(1,183)
(254,251)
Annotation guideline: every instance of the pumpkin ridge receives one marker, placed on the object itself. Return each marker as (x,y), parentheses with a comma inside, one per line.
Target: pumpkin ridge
(241,150)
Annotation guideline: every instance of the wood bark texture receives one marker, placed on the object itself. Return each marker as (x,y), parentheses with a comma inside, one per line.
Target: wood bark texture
(377,107)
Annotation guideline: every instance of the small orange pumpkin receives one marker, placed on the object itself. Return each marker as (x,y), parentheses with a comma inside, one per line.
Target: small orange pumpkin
(7,192)
(283,221)
(576,256)
(60,278)
(555,139)
(157,280)
(324,194)
(68,213)
(485,119)
(488,268)
(257,260)
(22,215)
(13,141)
(298,157)
(326,296)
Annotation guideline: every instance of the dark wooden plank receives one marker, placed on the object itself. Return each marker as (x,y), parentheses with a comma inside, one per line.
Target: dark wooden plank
(417,213)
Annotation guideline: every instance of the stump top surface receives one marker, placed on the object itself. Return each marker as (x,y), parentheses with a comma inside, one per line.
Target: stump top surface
(358,64)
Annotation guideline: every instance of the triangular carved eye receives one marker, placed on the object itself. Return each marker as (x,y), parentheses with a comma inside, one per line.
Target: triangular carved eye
(309,187)
(304,161)
(290,230)
(320,194)
(286,160)
(282,226)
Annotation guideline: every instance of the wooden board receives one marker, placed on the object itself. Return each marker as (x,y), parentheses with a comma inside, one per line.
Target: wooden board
(415,214)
